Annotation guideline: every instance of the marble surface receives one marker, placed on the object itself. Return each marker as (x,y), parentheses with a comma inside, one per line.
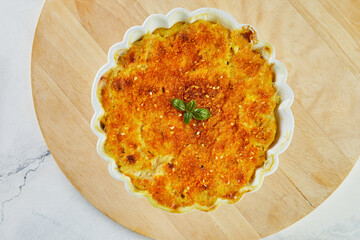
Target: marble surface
(36,199)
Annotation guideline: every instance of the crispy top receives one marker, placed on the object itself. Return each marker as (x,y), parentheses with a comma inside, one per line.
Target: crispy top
(178,165)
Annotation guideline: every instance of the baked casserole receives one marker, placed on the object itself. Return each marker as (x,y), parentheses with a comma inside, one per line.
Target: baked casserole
(178,165)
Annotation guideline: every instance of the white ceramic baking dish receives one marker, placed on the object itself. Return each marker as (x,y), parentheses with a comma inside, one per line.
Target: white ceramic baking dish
(283,112)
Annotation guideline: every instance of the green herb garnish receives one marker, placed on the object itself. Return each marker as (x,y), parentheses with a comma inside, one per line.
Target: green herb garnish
(191,106)
(178,104)
(201,114)
(187,117)
(190,110)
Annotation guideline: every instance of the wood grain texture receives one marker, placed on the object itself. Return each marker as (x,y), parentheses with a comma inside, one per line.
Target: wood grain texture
(317,41)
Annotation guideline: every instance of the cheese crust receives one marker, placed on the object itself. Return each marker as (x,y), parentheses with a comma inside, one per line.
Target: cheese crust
(175,165)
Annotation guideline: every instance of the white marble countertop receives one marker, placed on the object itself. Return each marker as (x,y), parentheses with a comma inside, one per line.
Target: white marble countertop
(38,202)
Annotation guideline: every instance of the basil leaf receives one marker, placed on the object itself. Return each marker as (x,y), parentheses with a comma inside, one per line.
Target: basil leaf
(198,114)
(187,117)
(178,104)
(191,106)
(201,114)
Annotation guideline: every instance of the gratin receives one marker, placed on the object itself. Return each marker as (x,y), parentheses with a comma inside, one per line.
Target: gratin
(179,165)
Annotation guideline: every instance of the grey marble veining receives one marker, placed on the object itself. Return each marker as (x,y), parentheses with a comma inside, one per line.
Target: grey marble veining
(36,199)
(30,165)
(28,160)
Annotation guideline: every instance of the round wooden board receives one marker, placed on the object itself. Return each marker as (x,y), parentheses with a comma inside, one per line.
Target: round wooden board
(316,41)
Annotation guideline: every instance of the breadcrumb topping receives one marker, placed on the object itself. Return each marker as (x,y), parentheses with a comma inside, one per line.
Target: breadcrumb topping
(179,165)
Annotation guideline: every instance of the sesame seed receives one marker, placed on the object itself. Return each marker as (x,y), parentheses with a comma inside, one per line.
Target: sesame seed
(180,114)
(228,182)
(195,62)
(218,87)
(172,132)
(187,188)
(202,145)
(161,116)
(150,93)
(173,169)
(214,88)
(221,76)
(122,134)
(198,133)
(207,96)
(211,170)
(196,87)
(205,185)
(194,124)
(216,157)
(221,156)
(135,78)
(155,105)
(232,124)
(172,128)
(207,174)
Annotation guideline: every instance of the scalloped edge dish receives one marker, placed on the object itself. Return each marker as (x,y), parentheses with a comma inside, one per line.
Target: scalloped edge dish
(284,116)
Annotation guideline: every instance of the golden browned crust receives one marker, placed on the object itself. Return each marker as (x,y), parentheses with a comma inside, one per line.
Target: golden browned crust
(180,165)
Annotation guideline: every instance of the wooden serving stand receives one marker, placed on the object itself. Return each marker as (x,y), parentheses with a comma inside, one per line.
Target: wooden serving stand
(317,40)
